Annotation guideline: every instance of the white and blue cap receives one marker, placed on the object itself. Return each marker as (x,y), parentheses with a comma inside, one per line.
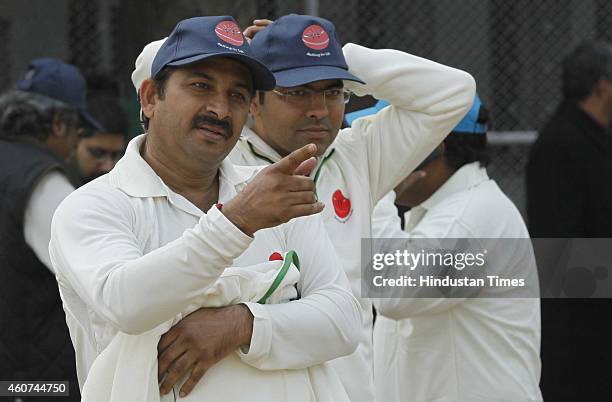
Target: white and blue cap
(300,49)
(473,122)
(199,38)
(378,106)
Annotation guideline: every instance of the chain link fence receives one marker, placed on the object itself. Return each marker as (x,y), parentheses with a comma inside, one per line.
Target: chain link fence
(512,48)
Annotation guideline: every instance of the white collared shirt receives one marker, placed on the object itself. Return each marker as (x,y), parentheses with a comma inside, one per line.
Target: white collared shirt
(461,350)
(367,160)
(131,254)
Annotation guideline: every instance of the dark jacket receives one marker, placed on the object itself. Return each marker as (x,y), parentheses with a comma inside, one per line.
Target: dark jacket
(569,194)
(34,339)
(568,177)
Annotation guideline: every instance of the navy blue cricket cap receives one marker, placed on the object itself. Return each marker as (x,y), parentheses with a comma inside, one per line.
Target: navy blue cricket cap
(199,38)
(60,81)
(300,49)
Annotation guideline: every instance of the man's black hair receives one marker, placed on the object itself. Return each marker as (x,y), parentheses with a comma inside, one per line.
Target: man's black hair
(590,62)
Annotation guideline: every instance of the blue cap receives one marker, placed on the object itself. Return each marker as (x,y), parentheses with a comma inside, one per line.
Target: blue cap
(300,49)
(199,38)
(352,116)
(60,81)
(470,123)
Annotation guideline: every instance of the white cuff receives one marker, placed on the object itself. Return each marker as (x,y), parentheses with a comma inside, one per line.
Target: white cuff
(261,339)
(216,219)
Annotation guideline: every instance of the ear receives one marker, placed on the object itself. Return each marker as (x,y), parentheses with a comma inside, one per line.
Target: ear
(255,108)
(58,127)
(148,97)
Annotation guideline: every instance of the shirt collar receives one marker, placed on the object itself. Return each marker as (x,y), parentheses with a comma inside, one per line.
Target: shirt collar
(261,148)
(133,175)
(258,145)
(466,177)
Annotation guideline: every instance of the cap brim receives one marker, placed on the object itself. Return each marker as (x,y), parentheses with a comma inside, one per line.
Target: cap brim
(263,79)
(91,120)
(304,75)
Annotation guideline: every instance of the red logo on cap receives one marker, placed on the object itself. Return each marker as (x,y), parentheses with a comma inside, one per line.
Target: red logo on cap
(228,31)
(315,37)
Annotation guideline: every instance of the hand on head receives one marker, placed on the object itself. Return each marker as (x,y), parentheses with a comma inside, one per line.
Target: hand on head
(257,26)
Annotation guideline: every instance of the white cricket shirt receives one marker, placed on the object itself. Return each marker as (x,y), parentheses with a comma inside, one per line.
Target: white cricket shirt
(453,349)
(131,254)
(367,160)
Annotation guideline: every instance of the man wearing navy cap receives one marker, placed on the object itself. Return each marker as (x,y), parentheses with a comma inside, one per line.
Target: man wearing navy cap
(60,81)
(461,349)
(39,125)
(359,165)
(135,248)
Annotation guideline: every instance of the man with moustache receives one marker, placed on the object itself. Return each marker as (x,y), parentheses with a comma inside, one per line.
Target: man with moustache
(481,348)
(134,248)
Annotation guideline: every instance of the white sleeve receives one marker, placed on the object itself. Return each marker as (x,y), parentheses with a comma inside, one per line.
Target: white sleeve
(427,100)
(48,193)
(386,223)
(323,325)
(94,248)
(398,308)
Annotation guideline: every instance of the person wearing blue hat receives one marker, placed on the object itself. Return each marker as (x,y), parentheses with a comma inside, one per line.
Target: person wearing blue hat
(356,167)
(462,349)
(62,82)
(40,123)
(137,249)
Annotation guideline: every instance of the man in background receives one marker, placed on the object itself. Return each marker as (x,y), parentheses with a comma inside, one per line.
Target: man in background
(98,151)
(39,129)
(569,196)
(483,348)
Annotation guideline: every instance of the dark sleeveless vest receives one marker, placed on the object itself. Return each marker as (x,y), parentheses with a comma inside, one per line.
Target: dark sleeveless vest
(34,339)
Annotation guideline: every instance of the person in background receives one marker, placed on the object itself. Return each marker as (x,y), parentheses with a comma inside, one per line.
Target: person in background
(461,349)
(39,129)
(569,196)
(98,151)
